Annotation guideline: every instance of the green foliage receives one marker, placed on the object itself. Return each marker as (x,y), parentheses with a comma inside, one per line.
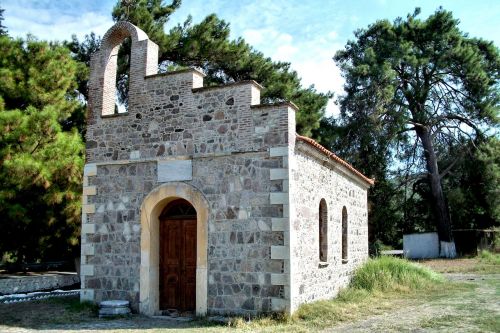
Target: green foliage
(489,258)
(207,46)
(409,83)
(387,273)
(3,29)
(81,52)
(40,164)
(489,157)
(473,186)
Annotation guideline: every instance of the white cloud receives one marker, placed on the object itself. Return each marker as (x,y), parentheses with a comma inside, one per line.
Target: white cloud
(253,37)
(332,35)
(52,23)
(284,52)
(324,75)
(273,43)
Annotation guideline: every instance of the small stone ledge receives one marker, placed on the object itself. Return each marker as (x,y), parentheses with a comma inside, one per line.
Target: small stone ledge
(323,264)
(172,73)
(280,252)
(114,115)
(229,85)
(274,105)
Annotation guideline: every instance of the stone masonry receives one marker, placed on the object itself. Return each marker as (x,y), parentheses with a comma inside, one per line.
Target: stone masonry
(255,185)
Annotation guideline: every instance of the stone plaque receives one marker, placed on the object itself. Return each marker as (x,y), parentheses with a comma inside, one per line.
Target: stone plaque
(169,171)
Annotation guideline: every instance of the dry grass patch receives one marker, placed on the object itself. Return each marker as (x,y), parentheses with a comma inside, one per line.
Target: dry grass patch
(485,263)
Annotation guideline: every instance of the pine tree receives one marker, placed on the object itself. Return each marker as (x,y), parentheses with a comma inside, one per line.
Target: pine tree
(40,164)
(3,29)
(423,85)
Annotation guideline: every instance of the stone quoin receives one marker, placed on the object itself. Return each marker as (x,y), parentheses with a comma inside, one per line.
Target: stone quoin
(202,199)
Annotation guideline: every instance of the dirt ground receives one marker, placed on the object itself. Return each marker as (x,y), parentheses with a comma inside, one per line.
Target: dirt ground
(475,309)
(473,306)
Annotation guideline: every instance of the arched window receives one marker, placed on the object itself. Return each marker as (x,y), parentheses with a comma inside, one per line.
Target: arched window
(323,231)
(344,234)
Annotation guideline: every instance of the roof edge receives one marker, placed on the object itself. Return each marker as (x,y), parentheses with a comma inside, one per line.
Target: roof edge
(334,157)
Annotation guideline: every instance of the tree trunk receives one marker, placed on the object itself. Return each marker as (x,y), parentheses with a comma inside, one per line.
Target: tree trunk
(446,243)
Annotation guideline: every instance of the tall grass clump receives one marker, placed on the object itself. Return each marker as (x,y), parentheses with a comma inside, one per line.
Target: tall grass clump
(489,258)
(373,284)
(392,274)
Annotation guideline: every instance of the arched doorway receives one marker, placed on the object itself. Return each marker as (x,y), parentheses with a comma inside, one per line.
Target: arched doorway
(151,210)
(178,256)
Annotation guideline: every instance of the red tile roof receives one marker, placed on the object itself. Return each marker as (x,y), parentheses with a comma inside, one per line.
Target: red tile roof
(334,157)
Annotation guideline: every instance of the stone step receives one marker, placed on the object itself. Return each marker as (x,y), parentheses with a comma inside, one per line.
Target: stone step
(113,308)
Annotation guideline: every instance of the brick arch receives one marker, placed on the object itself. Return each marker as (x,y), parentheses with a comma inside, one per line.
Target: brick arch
(151,209)
(118,32)
(143,62)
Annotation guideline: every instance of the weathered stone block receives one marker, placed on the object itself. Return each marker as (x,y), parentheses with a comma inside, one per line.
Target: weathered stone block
(280,252)
(278,174)
(279,198)
(278,304)
(87,295)
(87,270)
(280,279)
(177,170)
(88,208)
(278,151)
(90,170)
(89,190)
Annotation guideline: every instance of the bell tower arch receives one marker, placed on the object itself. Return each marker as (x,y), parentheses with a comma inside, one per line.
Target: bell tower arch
(143,62)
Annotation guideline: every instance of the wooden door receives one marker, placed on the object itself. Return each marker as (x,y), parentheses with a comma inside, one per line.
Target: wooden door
(178,264)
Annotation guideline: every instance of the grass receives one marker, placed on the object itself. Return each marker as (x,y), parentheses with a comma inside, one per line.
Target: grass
(485,263)
(385,285)
(61,310)
(372,291)
(392,274)
(74,305)
(487,257)
(441,322)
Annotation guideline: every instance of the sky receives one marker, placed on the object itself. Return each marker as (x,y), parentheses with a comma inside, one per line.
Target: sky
(306,33)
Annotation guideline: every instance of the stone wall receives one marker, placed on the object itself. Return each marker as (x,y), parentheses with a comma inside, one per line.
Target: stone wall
(237,187)
(314,177)
(47,281)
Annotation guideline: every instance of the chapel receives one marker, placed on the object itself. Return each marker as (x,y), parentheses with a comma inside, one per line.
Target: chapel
(201,199)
